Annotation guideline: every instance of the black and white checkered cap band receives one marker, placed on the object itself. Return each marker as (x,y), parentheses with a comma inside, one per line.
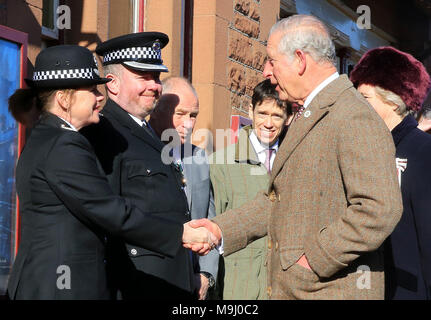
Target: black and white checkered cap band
(86,73)
(133,53)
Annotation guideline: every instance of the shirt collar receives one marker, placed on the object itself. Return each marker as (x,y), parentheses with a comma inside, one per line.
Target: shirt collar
(259,146)
(319,88)
(71,126)
(138,121)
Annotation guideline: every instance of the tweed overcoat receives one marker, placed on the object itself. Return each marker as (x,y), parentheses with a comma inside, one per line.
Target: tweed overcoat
(333,195)
(237,176)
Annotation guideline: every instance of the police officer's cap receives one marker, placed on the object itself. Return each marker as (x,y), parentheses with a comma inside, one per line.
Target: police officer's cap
(140,51)
(65,66)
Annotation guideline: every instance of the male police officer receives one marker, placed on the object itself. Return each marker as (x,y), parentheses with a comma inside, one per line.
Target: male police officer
(131,157)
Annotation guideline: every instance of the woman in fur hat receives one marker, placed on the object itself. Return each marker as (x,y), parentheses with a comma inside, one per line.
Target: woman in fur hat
(396,84)
(67,207)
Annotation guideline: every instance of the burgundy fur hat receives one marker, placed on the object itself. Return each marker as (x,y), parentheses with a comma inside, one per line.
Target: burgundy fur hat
(395,71)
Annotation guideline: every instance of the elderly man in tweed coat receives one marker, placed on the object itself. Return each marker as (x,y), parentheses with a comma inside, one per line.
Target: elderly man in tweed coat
(333,195)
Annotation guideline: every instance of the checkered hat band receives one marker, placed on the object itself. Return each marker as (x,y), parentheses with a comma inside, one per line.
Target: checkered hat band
(64,74)
(133,53)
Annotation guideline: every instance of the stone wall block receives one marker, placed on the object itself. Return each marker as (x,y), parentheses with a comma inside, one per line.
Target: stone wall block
(255,12)
(235,100)
(247,26)
(236,78)
(239,46)
(252,79)
(259,56)
(243,6)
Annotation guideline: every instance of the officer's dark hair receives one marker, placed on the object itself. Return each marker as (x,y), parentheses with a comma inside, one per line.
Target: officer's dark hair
(266,91)
(22,101)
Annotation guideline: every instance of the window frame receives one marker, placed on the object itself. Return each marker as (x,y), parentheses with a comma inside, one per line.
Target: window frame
(48,32)
(21,39)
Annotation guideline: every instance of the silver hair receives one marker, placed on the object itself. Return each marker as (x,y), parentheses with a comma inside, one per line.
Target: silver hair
(169,84)
(392,98)
(115,69)
(306,33)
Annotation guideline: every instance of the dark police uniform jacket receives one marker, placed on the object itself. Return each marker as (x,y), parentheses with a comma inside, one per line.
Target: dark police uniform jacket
(408,248)
(67,207)
(131,159)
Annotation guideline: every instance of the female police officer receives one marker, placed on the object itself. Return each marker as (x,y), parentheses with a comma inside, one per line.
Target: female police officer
(66,204)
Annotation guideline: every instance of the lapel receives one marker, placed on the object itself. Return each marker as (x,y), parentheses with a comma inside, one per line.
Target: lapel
(316,110)
(244,150)
(113,110)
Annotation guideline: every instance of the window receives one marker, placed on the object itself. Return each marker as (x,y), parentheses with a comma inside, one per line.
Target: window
(49,18)
(13,57)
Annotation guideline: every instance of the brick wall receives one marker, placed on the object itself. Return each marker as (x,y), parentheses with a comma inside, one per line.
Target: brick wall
(246,54)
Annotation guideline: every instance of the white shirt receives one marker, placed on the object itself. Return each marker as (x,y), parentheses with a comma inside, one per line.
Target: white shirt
(138,121)
(260,148)
(72,128)
(319,88)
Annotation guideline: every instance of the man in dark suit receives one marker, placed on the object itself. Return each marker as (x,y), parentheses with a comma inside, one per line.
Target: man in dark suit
(130,154)
(175,115)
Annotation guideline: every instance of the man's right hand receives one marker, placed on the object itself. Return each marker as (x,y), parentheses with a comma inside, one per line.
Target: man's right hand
(214,230)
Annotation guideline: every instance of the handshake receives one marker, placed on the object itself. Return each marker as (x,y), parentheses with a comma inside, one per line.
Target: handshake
(201,236)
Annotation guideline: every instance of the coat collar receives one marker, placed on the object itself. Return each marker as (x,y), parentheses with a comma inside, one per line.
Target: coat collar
(244,150)
(49,119)
(112,109)
(318,109)
(403,129)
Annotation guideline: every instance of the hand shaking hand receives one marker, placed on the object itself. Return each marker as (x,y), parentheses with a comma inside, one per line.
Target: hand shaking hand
(201,236)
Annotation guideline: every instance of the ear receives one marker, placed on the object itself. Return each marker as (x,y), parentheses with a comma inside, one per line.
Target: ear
(301,59)
(62,99)
(113,86)
(250,111)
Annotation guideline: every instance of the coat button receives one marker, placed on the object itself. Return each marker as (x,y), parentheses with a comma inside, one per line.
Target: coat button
(272,196)
(269,291)
(134,252)
(148,171)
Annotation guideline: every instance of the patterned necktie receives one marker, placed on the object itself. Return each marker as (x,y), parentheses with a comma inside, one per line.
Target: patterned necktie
(268,153)
(299,112)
